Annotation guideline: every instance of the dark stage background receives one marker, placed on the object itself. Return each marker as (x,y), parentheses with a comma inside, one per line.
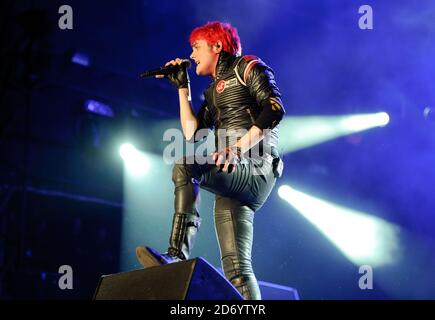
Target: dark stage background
(67,200)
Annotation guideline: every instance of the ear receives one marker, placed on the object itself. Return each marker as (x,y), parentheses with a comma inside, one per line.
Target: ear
(217,47)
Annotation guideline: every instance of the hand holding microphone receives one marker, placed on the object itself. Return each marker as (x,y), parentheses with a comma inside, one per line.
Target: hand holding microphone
(175,71)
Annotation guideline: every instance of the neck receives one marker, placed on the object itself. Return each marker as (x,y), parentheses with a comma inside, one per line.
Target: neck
(224,61)
(213,75)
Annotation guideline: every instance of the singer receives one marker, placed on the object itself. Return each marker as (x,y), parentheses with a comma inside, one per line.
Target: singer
(243,98)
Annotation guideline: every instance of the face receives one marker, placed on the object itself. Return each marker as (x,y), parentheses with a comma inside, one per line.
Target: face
(205,57)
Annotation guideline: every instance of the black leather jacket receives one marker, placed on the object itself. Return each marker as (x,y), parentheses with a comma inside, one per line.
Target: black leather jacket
(243,94)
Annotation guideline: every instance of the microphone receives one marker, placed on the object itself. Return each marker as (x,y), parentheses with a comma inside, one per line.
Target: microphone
(166,70)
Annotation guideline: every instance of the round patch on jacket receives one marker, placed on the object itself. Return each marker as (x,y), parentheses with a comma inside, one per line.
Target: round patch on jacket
(220,87)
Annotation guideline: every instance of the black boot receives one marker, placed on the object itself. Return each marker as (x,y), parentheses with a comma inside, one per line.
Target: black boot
(148,257)
(184,229)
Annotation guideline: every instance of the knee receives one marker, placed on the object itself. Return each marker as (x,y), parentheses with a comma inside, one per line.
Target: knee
(179,172)
(184,172)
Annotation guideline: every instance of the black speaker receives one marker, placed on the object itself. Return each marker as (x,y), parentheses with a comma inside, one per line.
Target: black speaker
(193,279)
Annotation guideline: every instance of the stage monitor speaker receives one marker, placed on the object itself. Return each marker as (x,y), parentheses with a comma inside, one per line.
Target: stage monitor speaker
(272,291)
(193,279)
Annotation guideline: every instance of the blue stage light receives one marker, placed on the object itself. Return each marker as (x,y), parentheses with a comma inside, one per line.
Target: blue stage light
(362,238)
(98,107)
(136,163)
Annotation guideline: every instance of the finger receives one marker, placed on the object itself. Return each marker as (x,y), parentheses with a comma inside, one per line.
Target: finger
(214,156)
(178,61)
(225,169)
(159,76)
(170,62)
(230,158)
(220,160)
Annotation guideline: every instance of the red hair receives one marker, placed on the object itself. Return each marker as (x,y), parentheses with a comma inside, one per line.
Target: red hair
(215,31)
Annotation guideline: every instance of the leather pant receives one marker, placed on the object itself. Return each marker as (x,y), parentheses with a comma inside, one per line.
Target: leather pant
(238,196)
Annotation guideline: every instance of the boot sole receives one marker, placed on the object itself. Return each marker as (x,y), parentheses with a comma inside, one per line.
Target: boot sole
(146,258)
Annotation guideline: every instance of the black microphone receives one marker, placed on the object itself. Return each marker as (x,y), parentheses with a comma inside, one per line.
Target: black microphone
(166,70)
